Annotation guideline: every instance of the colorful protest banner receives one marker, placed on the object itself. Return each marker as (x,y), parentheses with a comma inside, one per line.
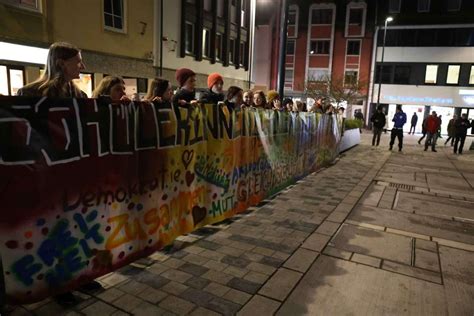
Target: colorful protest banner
(87,186)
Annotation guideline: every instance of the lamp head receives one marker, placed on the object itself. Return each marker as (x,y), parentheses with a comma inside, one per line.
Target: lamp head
(389,19)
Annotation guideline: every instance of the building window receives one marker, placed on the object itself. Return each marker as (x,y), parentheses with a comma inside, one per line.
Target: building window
(350,77)
(233,12)
(206,43)
(218,46)
(242,53)
(431,74)
(402,74)
(319,47)
(114,15)
(384,74)
(353,47)
(356,16)
(289,73)
(243,8)
(220,8)
(321,16)
(30,5)
(453,5)
(11,80)
(318,74)
(292,16)
(189,43)
(290,47)
(394,6)
(208,5)
(423,5)
(231,50)
(453,74)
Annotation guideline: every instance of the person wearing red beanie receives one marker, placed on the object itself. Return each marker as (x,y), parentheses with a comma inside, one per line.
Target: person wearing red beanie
(215,93)
(187,83)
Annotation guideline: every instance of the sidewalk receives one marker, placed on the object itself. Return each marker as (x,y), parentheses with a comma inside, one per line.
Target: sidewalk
(378,233)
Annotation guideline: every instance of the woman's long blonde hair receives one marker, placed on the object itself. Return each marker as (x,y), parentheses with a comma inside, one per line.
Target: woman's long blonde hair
(106,85)
(53,83)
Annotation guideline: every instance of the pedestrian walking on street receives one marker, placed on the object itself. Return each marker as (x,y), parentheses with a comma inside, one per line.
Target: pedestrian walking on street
(399,119)
(423,130)
(462,125)
(378,121)
(414,121)
(359,116)
(432,127)
(439,128)
(451,130)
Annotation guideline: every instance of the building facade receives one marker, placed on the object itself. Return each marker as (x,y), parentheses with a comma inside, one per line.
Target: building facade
(120,37)
(428,61)
(325,38)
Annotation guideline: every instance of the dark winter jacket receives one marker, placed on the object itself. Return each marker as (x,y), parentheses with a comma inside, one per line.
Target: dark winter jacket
(414,120)
(462,125)
(399,120)
(209,97)
(378,119)
(452,128)
(183,94)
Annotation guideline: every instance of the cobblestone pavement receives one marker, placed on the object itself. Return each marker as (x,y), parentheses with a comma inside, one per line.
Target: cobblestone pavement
(378,233)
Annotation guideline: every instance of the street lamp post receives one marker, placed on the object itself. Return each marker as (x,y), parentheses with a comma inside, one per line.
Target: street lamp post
(388,19)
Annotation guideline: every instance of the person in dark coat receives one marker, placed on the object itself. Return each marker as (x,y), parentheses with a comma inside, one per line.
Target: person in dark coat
(186,94)
(451,130)
(378,121)
(423,130)
(215,93)
(462,125)
(399,119)
(414,121)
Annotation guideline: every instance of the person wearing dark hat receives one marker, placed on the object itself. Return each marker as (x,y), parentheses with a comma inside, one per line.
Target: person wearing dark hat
(399,119)
(378,121)
(185,95)
(215,92)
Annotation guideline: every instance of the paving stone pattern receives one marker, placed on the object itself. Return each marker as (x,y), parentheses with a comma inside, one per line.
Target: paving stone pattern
(354,231)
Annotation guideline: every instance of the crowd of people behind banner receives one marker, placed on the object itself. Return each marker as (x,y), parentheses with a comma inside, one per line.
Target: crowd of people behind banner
(64,64)
(431,129)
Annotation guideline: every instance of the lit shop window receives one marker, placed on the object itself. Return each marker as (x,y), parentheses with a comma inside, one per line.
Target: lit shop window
(84,83)
(16,80)
(11,80)
(453,74)
(431,74)
(130,86)
(3,80)
(471,77)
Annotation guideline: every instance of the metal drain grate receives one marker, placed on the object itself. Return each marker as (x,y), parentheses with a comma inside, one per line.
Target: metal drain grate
(402,186)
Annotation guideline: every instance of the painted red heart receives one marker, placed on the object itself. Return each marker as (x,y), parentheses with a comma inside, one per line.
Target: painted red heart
(189,178)
(199,214)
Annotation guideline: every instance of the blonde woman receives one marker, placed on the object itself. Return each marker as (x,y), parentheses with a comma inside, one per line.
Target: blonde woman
(160,90)
(63,65)
(113,87)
